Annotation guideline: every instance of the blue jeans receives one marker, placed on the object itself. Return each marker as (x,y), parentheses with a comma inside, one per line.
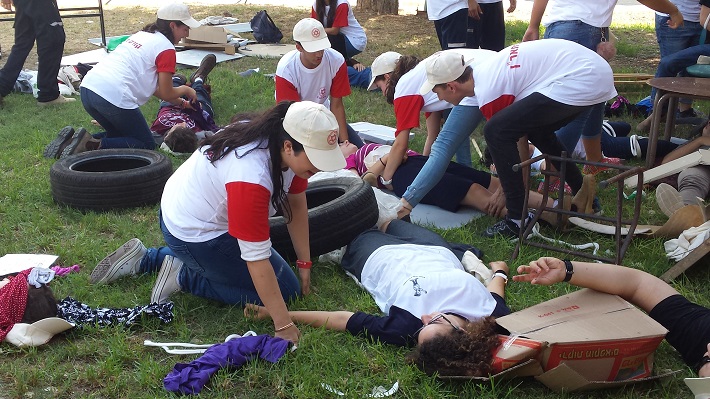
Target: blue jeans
(671,41)
(577,31)
(215,270)
(359,79)
(676,63)
(125,128)
(459,125)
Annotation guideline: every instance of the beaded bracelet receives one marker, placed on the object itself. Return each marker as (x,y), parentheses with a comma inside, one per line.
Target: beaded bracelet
(287,326)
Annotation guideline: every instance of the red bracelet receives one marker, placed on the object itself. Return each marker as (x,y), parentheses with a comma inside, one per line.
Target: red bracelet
(304,264)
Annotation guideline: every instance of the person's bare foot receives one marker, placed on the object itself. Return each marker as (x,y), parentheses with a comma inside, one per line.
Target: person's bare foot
(252,311)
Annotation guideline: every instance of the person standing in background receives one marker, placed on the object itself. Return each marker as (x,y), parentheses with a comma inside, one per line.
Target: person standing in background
(486,24)
(35,20)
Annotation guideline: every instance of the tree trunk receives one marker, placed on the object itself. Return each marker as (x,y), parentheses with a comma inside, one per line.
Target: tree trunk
(379,6)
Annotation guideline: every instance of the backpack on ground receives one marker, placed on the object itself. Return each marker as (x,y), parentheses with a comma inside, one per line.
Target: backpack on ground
(264,28)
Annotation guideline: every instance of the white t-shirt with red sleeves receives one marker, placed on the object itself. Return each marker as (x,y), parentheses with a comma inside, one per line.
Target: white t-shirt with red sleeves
(345,20)
(297,83)
(129,75)
(559,69)
(438,9)
(202,200)
(408,103)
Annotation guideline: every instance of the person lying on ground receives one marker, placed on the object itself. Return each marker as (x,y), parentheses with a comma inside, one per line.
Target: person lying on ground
(688,324)
(428,299)
(215,209)
(460,185)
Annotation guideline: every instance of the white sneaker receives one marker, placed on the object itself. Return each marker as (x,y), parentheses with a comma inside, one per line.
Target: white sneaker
(167,282)
(473,265)
(125,261)
(668,199)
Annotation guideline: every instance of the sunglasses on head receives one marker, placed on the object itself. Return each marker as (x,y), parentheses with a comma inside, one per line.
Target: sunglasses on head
(434,319)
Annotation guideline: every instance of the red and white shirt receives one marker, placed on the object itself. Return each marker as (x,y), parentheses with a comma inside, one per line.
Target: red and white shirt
(562,70)
(129,75)
(408,103)
(345,20)
(202,200)
(297,83)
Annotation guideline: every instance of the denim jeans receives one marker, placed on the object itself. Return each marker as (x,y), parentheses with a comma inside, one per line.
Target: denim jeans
(359,79)
(577,31)
(671,41)
(36,20)
(125,128)
(459,125)
(215,270)
(676,63)
(153,259)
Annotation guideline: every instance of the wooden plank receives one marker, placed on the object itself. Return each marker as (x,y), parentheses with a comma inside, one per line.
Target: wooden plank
(227,48)
(692,258)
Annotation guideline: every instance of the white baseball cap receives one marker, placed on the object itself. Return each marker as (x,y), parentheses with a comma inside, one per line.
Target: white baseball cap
(384,63)
(443,67)
(315,127)
(37,333)
(178,12)
(311,34)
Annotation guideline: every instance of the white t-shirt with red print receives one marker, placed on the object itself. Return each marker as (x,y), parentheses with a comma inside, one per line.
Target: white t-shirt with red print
(295,82)
(559,69)
(129,75)
(345,20)
(202,200)
(408,103)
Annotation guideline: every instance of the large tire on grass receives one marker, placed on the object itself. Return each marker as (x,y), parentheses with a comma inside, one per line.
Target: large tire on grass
(110,179)
(338,210)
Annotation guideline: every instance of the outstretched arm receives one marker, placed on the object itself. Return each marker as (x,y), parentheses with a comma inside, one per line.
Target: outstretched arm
(665,7)
(636,286)
(336,320)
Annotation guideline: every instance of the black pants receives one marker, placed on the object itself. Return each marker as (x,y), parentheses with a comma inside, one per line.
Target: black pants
(537,117)
(36,20)
(488,32)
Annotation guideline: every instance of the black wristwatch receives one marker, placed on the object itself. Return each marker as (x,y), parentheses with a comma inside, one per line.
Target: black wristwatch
(570,270)
(702,362)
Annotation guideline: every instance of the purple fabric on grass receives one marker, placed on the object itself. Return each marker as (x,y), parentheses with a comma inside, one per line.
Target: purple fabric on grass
(191,378)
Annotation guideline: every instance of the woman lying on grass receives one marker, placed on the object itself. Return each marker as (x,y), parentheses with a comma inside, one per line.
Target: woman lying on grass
(428,300)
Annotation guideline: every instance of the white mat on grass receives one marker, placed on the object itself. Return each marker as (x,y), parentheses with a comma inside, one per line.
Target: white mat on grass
(191,57)
(433,215)
(374,133)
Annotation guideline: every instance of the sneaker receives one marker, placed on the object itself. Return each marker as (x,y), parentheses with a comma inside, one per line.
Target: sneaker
(81,141)
(472,264)
(688,113)
(505,227)
(593,170)
(554,187)
(167,283)
(53,149)
(125,261)
(206,66)
(59,100)
(668,199)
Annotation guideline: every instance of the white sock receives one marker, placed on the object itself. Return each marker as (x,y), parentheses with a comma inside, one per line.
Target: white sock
(516,221)
(198,79)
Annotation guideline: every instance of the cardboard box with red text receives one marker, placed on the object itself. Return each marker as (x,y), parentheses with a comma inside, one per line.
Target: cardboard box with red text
(589,340)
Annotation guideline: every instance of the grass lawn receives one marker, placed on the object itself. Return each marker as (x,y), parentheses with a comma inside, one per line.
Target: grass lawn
(112,362)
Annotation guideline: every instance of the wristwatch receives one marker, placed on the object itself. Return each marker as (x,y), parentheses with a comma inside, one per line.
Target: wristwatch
(569,270)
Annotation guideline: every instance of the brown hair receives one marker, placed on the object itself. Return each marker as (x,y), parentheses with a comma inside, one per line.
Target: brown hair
(405,64)
(40,304)
(468,351)
(320,12)
(162,26)
(182,140)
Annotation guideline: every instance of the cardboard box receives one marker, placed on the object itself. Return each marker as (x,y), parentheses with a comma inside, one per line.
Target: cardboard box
(589,340)
(207,34)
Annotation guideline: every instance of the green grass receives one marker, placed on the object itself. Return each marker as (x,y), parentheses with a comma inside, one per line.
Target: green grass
(112,362)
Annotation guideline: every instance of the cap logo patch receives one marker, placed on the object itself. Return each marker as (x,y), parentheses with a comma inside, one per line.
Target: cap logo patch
(315,32)
(333,137)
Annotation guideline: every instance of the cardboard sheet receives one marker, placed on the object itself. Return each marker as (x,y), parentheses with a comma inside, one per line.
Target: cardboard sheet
(191,58)
(266,50)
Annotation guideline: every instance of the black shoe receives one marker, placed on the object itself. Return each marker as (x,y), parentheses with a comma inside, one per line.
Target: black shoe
(180,78)
(53,149)
(688,113)
(505,227)
(206,66)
